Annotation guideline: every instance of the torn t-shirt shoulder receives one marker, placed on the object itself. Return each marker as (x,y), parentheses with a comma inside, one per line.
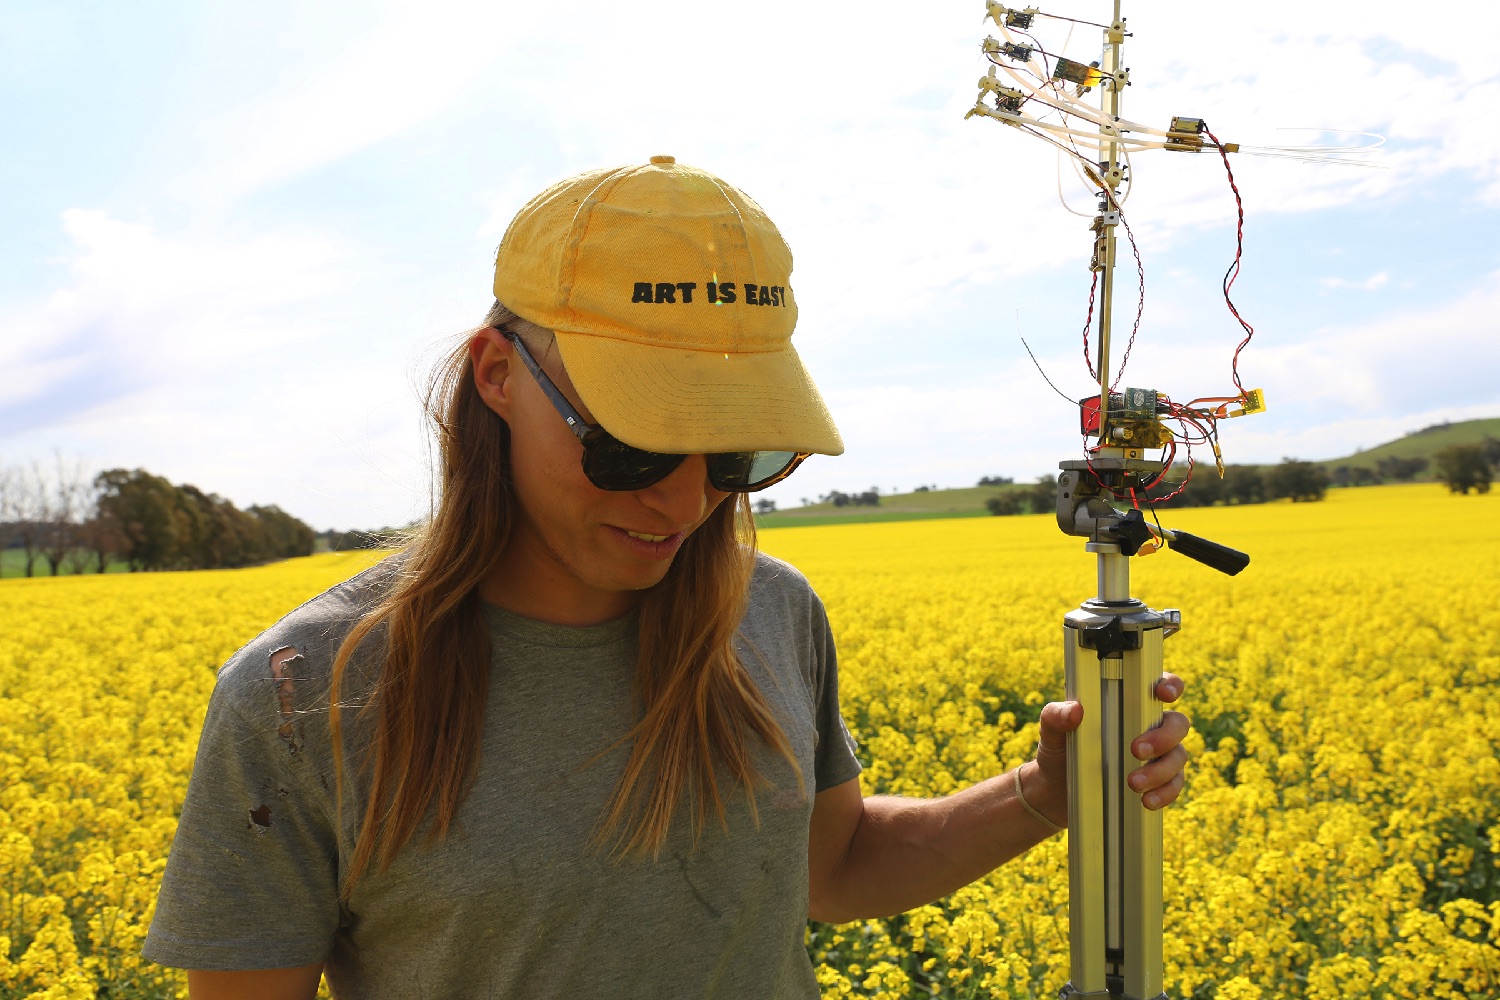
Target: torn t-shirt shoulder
(281,681)
(262,796)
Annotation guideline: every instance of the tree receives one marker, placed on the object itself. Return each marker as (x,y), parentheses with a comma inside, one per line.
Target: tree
(1244,484)
(765,506)
(1297,479)
(1400,469)
(1004,505)
(149,515)
(8,516)
(1042,497)
(1464,467)
(65,498)
(31,508)
(285,536)
(100,534)
(218,534)
(1491,448)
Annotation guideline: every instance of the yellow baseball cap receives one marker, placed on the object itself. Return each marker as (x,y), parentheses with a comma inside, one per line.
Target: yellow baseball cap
(670,295)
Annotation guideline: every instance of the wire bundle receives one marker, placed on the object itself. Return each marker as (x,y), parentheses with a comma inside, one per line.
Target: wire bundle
(1047,104)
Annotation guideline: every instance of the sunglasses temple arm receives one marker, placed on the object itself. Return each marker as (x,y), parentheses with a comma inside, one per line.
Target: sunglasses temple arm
(581,428)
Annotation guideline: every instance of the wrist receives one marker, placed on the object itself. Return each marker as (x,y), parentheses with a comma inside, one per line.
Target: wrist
(1048,798)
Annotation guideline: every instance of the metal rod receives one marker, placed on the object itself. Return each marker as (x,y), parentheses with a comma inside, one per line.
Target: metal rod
(1114,782)
(1114,577)
(1109,103)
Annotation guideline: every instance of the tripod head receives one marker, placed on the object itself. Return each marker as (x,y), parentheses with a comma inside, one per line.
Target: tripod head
(1084,509)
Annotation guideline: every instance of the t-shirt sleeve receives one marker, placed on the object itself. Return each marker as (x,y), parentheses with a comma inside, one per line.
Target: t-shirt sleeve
(835,761)
(252,878)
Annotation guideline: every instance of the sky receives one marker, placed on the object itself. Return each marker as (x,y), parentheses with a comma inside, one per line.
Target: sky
(234,239)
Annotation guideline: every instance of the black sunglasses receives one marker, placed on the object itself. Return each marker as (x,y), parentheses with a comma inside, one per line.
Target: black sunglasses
(611,464)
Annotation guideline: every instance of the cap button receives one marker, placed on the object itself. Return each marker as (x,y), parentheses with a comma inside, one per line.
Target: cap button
(663,159)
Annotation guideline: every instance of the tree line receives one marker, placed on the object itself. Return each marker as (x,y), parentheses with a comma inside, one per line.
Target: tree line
(66,519)
(1459,467)
(1293,479)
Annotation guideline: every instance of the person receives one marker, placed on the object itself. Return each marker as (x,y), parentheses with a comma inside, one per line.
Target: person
(579,738)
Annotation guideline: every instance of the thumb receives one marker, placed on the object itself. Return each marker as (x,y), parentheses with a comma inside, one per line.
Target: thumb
(1059,718)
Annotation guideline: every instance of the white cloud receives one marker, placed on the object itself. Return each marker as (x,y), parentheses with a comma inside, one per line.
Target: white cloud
(220,362)
(1374,282)
(410,62)
(145,308)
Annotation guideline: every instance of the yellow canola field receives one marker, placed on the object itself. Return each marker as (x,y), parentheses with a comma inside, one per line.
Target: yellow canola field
(1335,839)
(1339,831)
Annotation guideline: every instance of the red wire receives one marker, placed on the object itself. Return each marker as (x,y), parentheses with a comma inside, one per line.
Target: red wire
(1234,269)
(1088,321)
(1140,306)
(1203,424)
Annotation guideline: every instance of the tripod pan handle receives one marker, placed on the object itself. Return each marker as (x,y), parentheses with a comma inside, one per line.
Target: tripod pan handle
(1211,554)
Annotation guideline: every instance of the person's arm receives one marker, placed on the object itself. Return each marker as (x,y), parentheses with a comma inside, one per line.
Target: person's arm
(878,856)
(259,984)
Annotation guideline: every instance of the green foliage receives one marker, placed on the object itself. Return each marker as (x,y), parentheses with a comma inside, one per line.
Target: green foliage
(1367,467)
(1465,467)
(1297,480)
(1005,505)
(1042,497)
(152,524)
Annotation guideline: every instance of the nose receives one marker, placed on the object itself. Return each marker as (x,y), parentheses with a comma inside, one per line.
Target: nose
(684,496)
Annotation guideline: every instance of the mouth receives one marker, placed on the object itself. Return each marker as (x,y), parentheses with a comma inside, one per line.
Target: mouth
(649,545)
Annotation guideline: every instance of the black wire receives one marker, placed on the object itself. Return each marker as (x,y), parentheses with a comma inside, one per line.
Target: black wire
(1070,399)
(1038,46)
(1059,17)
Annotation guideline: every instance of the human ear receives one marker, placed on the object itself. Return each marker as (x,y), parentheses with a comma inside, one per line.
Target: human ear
(492,357)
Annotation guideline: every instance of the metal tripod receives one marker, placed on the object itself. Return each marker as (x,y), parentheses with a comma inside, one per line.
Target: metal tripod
(1112,649)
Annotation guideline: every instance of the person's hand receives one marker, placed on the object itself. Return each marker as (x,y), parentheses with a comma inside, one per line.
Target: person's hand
(1158,782)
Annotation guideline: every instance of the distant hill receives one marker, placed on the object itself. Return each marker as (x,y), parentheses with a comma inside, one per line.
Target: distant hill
(968,501)
(1424,443)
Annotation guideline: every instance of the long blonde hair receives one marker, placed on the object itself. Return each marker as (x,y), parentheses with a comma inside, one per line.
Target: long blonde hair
(697,704)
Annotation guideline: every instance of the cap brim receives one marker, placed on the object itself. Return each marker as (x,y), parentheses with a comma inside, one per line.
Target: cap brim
(677,401)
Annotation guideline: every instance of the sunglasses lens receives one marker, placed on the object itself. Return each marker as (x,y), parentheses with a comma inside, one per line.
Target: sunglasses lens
(614,465)
(744,471)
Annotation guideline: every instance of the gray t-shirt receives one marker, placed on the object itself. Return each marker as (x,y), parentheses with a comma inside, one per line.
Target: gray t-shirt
(515,902)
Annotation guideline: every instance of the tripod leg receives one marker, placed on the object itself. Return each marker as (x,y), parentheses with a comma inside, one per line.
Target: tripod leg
(1142,903)
(1113,662)
(1086,829)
